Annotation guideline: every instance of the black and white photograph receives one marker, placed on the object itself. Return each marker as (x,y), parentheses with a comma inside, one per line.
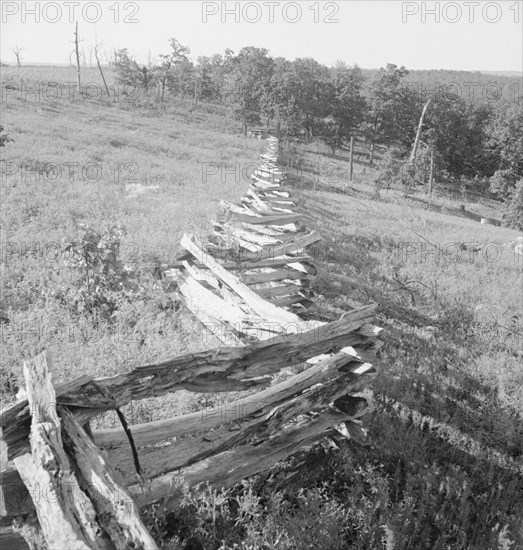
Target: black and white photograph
(261,275)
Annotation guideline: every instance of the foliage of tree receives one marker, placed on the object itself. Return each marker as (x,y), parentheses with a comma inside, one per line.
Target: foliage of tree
(310,81)
(283,98)
(506,139)
(347,107)
(174,69)
(127,71)
(393,108)
(251,75)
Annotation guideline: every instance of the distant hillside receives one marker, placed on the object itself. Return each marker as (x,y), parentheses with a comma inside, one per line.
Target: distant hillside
(474,85)
(505,73)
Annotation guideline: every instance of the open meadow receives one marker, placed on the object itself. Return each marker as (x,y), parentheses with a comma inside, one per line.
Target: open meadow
(444,466)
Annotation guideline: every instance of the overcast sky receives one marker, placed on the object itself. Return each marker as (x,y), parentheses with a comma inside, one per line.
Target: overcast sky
(468,36)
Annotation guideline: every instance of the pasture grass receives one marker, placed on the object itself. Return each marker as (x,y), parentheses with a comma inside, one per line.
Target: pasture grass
(444,465)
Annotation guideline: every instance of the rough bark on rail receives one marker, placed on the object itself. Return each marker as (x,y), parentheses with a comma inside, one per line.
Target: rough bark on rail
(220,369)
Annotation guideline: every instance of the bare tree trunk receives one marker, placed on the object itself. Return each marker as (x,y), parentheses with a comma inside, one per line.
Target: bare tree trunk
(431,174)
(77,59)
(338,135)
(101,72)
(307,127)
(18,53)
(163,88)
(373,141)
(351,161)
(164,80)
(418,133)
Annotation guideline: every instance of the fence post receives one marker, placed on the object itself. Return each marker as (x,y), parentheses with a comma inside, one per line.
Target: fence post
(351,165)
(78,510)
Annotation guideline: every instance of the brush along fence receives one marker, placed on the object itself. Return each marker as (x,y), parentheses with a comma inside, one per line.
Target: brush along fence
(74,488)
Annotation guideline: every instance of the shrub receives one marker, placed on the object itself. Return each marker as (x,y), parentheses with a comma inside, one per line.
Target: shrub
(396,170)
(513,216)
(4,138)
(388,169)
(101,277)
(502,183)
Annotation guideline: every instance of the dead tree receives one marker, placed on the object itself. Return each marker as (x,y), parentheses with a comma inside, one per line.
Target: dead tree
(100,69)
(431,174)
(18,54)
(418,133)
(77,52)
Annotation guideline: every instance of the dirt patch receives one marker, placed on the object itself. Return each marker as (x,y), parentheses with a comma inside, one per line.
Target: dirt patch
(134,190)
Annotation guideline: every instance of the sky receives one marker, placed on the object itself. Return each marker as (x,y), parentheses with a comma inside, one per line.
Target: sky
(478,35)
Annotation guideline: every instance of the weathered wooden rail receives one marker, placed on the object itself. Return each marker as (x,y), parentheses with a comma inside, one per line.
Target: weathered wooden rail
(247,286)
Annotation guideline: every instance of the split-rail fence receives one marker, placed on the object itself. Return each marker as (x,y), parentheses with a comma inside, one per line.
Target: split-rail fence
(67,486)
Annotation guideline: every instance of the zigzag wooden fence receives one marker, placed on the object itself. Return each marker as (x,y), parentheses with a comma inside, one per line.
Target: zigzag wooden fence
(247,286)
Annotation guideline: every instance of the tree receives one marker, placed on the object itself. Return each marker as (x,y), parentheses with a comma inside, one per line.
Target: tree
(506,141)
(393,109)
(311,83)
(204,86)
(77,54)
(282,100)
(126,69)
(18,55)
(251,77)
(418,133)
(100,68)
(173,67)
(457,132)
(346,107)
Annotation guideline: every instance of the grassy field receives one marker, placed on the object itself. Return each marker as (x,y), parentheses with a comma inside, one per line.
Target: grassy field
(444,468)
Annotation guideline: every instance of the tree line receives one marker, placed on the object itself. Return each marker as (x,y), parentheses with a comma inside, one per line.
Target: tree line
(473,137)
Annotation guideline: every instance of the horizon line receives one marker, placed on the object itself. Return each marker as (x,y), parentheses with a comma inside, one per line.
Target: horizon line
(484,71)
